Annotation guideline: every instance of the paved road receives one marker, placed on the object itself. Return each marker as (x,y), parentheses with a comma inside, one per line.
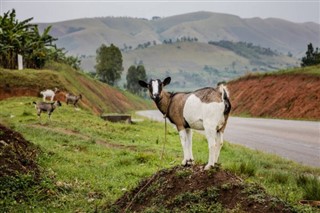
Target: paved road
(294,140)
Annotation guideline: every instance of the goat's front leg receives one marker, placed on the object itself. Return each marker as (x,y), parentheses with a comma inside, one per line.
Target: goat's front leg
(190,161)
(185,145)
(212,145)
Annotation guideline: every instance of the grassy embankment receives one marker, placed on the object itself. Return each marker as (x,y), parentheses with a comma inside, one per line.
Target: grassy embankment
(286,94)
(97,97)
(88,163)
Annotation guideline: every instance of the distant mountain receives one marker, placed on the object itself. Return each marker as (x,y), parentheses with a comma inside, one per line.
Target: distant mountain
(196,49)
(84,36)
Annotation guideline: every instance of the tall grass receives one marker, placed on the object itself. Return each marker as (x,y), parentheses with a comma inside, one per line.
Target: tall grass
(88,163)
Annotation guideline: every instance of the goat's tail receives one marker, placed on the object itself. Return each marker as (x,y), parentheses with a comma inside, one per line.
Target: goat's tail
(225,97)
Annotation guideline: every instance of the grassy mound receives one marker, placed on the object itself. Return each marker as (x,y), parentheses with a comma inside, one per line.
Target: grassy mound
(182,189)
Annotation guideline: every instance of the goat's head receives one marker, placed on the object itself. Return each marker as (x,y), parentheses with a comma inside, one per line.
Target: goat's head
(155,87)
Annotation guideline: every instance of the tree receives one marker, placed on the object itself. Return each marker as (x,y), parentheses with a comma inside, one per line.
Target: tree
(312,57)
(133,76)
(21,37)
(109,64)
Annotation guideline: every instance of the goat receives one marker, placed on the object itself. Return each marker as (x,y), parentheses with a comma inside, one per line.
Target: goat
(204,109)
(72,98)
(46,107)
(49,93)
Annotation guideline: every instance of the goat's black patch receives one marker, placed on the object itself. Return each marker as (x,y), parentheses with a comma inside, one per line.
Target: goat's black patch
(227,104)
(186,125)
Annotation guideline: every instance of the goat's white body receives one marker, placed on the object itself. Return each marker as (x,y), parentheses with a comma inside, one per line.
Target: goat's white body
(48,93)
(200,115)
(203,116)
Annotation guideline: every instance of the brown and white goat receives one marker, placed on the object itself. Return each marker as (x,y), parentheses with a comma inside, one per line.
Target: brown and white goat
(46,107)
(73,98)
(204,109)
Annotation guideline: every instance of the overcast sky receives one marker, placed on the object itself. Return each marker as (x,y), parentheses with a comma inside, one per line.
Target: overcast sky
(59,10)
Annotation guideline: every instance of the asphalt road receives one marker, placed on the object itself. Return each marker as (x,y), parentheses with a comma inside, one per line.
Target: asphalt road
(295,140)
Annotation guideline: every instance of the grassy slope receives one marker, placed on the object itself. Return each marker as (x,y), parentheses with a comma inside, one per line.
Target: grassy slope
(97,96)
(88,163)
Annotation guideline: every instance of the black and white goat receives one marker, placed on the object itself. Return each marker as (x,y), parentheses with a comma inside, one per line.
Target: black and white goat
(73,98)
(204,109)
(49,93)
(46,107)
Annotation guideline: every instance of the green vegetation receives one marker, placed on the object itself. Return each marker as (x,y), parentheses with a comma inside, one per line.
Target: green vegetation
(245,49)
(89,163)
(109,64)
(312,57)
(133,76)
(308,70)
(23,38)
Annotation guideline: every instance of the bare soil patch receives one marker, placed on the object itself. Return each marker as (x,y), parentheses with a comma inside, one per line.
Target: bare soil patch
(18,156)
(289,96)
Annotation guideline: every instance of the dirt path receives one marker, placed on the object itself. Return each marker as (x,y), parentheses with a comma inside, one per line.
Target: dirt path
(82,136)
(295,140)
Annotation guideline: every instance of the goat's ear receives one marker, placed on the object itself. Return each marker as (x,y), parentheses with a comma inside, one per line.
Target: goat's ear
(166,81)
(143,84)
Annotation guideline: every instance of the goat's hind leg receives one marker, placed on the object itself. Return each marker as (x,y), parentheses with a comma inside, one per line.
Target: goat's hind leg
(219,141)
(212,145)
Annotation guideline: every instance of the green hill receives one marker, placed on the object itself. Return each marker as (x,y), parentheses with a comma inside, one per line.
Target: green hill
(97,97)
(194,64)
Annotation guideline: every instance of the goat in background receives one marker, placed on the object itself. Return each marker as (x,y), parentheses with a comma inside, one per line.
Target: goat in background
(73,99)
(49,93)
(46,107)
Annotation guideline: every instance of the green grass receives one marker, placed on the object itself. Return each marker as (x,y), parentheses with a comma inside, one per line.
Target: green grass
(88,163)
(310,70)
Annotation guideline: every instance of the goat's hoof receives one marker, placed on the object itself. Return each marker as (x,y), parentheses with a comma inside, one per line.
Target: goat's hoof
(186,163)
(208,167)
(190,162)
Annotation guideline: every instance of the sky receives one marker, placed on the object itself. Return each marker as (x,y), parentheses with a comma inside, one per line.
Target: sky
(50,11)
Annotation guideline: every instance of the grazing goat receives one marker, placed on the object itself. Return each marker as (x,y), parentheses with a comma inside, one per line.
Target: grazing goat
(204,109)
(49,93)
(73,98)
(46,107)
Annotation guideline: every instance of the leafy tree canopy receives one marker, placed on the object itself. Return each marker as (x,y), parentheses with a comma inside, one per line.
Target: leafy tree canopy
(312,57)
(24,38)
(133,76)
(109,64)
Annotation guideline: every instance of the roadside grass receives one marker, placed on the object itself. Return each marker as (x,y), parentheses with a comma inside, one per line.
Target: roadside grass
(88,163)
(309,70)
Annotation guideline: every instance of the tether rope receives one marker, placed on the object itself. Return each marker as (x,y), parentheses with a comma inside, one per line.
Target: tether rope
(159,165)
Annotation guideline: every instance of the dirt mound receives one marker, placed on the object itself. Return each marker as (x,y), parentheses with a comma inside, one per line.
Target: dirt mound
(18,156)
(289,96)
(192,189)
